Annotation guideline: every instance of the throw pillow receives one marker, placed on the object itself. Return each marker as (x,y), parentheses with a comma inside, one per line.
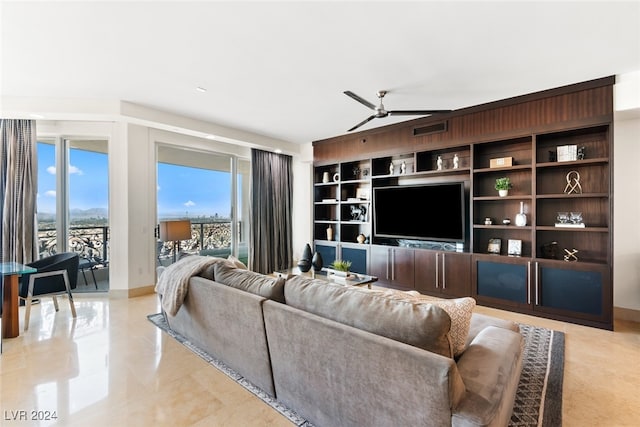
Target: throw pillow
(459,309)
(250,281)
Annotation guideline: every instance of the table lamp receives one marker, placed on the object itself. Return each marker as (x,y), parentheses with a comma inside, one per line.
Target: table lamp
(175,231)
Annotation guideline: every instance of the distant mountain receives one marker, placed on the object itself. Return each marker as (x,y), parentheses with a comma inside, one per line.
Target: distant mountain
(88,213)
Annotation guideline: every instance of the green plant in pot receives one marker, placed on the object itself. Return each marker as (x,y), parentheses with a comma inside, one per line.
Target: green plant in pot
(341,267)
(503,185)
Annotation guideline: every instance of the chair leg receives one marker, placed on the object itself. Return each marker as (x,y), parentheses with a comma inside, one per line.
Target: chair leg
(66,284)
(27,312)
(55,303)
(95,282)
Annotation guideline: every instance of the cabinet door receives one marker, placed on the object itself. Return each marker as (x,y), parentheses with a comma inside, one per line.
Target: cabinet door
(502,281)
(454,273)
(577,290)
(426,271)
(328,253)
(393,266)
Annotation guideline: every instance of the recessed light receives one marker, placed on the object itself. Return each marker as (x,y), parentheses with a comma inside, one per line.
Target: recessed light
(201,89)
(278,151)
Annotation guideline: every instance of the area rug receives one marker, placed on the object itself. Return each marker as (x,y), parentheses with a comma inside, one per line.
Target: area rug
(538,399)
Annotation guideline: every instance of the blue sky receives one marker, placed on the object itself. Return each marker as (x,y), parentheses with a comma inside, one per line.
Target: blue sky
(182,190)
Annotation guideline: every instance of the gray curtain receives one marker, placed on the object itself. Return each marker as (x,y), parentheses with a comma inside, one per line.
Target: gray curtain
(18,190)
(271,194)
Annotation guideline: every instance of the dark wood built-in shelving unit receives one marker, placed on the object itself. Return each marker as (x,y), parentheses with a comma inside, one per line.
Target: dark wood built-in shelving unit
(528,129)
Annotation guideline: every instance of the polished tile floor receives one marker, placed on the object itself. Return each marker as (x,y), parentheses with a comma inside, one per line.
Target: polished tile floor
(112,367)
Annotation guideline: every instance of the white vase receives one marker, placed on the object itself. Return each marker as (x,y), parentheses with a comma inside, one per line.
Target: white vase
(503,193)
(521,218)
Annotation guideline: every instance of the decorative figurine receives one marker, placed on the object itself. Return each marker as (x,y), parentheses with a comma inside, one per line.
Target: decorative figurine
(570,255)
(573,183)
(456,161)
(439,163)
(403,167)
(581,153)
(391,169)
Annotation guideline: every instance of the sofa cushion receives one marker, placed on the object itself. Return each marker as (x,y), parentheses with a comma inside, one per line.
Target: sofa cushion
(422,325)
(250,281)
(235,261)
(459,309)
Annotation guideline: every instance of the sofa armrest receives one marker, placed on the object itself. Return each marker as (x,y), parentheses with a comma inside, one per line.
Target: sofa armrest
(490,369)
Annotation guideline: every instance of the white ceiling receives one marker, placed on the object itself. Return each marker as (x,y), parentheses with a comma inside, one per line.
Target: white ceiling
(280,68)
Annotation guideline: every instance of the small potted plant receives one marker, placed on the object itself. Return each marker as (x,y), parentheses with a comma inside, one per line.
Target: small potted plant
(503,185)
(341,267)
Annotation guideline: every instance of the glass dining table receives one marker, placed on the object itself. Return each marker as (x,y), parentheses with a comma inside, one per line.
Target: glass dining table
(11,271)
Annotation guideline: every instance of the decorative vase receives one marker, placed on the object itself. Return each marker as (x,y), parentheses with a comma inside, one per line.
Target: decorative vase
(325,177)
(521,218)
(317,262)
(329,233)
(503,193)
(305,260)
(361,238)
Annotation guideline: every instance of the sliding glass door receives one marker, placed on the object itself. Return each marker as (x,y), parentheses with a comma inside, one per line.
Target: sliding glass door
(211,191)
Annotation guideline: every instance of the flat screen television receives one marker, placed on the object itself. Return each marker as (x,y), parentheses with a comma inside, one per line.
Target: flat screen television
(422,212)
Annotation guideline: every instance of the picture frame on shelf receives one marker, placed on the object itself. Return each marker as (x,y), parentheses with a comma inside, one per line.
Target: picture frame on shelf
(514,247)
(363,193)
(494,246)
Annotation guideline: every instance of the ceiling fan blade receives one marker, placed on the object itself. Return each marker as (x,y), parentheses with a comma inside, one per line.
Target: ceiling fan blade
(368,119)
(359,99)
(416,112)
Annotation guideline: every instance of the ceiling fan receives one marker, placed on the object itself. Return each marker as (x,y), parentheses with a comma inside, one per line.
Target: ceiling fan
(380,112)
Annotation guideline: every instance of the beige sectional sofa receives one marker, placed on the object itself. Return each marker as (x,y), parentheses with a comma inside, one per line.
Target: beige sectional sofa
(346,356)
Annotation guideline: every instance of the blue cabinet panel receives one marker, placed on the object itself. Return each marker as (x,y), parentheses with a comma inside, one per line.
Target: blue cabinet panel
(574,290)
(328,254)
(504,281)
(358,258)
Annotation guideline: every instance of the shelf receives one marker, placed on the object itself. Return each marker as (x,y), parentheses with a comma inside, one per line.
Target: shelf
(503,169)
(584,162)
(572,229)
(498,198)
(573,196)
(502,227)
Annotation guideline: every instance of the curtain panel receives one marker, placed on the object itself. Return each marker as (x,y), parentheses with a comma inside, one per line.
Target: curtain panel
(18,190)
(271,195)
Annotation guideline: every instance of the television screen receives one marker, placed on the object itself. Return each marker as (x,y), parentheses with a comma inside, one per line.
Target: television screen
(425,212)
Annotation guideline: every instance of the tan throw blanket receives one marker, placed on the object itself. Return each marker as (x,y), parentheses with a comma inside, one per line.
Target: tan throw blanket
(173,283)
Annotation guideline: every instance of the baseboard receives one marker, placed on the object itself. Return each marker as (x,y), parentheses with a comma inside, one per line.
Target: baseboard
(131,293)
(620,313)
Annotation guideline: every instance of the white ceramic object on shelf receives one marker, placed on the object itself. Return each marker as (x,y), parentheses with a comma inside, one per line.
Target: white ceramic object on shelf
(521,218)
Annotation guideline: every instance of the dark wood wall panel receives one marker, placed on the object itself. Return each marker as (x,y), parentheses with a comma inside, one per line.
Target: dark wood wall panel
(579,104)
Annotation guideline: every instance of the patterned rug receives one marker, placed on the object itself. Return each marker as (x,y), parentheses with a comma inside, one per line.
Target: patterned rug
(538,399)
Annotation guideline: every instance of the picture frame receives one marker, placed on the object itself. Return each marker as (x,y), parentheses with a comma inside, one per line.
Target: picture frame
(362,193)
(514,247)
(494,246)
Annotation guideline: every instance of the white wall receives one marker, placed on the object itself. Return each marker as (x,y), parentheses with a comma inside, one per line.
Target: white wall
(626,212)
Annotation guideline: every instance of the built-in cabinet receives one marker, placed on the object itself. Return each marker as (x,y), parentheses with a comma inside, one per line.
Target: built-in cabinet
(557,263)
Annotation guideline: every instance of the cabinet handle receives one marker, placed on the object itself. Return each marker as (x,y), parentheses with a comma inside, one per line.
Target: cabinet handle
(537,284)
(437,267)
(444,278)
(393,264)
(528,282)
(388,262)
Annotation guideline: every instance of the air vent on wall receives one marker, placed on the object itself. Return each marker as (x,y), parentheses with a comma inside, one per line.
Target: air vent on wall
(432,128)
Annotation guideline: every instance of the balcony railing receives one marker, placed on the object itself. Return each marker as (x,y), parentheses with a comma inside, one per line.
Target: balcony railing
(93,241)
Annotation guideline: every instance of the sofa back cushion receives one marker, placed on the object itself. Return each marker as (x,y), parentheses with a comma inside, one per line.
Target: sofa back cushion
(250,281)
(419,324)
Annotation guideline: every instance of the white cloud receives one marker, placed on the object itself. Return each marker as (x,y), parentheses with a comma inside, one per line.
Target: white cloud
(74,170)
(189,204)
(50,193)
